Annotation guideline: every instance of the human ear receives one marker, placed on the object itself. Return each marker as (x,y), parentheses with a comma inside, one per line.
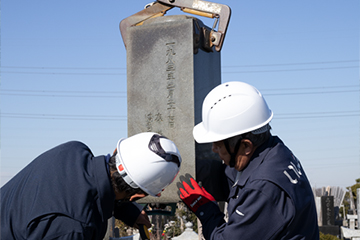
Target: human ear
(248,147)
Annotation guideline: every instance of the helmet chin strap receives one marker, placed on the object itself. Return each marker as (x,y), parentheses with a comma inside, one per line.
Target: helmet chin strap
(232,154)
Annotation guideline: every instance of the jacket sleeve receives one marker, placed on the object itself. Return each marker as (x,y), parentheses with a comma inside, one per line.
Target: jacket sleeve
(127,212)
(255,216)
(211,218)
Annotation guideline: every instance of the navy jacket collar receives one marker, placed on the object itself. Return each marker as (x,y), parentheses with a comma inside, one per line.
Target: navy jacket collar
(106,198)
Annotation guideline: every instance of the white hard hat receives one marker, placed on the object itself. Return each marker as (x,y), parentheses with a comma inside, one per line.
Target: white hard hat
(231,109)
(148,161)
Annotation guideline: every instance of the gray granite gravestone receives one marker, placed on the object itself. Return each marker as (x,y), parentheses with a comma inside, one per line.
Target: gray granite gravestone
(327,207)
(169,73)
(328,216)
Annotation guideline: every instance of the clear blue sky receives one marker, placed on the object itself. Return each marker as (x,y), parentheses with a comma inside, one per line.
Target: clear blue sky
(63,77)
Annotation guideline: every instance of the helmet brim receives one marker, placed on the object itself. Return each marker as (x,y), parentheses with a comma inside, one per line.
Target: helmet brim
(202,135)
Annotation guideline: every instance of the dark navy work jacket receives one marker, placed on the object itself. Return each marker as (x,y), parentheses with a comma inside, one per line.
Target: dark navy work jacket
(270,199)
(65,193)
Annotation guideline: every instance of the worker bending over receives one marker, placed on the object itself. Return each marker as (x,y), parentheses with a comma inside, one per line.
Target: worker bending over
(68,193)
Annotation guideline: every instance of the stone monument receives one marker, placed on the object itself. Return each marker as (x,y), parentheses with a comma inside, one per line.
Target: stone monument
(169,73)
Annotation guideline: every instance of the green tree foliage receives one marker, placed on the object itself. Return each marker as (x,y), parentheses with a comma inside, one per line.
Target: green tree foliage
(327,237)
(354,187)
(351,190)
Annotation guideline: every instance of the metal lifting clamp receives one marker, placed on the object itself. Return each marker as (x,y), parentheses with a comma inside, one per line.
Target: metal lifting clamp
(220,12)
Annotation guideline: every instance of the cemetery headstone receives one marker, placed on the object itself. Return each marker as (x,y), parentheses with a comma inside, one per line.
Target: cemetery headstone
(169,74)
(328,217)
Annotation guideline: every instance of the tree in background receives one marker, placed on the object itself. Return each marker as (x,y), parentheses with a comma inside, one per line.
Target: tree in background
(346,202)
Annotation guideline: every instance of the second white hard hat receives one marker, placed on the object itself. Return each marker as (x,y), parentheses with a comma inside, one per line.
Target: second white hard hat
(148,161)
(231,109)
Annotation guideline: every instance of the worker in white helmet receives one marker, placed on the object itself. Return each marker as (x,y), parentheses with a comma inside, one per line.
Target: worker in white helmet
(68,193)
(269,194)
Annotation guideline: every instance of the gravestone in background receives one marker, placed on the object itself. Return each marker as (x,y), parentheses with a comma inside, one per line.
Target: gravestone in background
(327,207)
(328,216)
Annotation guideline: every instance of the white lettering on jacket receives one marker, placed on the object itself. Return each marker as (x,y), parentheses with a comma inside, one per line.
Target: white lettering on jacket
(240,213)
(297,172)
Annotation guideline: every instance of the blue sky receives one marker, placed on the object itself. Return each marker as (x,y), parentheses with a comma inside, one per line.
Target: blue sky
(63,77)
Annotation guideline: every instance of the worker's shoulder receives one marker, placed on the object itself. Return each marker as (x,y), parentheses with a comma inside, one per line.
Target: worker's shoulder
(72,144)
(69,147)
(274,165)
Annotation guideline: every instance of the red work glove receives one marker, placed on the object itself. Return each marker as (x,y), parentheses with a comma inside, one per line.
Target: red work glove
(192,194)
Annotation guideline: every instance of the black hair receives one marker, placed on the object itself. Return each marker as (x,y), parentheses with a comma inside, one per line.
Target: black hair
(256,139)
(118,182)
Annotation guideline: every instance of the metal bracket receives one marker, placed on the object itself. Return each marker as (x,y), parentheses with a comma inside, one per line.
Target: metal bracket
(198,7)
